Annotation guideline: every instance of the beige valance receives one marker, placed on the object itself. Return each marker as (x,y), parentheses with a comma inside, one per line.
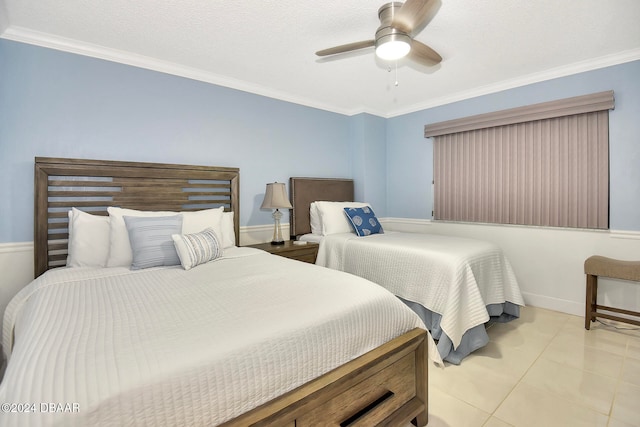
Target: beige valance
(580,104)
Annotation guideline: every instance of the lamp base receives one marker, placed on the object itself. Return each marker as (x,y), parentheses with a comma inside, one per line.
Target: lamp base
(277,234)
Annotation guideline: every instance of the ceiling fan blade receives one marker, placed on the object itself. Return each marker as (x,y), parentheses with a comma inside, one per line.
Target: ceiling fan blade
(423,54)
(346,48)
(412,15)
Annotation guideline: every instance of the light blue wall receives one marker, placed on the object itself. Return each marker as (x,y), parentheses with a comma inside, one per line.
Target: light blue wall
(58,104)
(368,159)
(410,157)
(64,105)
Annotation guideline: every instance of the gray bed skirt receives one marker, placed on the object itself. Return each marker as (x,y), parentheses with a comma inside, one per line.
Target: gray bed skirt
(472,339)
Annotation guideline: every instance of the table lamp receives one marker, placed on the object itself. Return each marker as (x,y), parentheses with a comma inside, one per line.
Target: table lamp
(275,197)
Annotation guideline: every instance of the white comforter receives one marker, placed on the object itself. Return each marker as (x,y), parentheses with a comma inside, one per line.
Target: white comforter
(172,347)
(454,277)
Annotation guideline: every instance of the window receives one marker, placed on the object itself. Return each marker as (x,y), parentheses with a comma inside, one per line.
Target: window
(545,164)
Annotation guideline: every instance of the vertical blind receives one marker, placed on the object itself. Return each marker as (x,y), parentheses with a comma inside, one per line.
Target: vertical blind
(549,171)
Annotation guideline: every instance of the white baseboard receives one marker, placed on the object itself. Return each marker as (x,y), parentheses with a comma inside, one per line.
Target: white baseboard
(556,304)
(252,234)
(408,225)
(16,247)
(16,264)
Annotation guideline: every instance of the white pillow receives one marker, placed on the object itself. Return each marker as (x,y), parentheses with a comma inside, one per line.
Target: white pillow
(228,230)
(195,222)
(88,239)
(333,218)
(197,248)
(120,254)
(316,221)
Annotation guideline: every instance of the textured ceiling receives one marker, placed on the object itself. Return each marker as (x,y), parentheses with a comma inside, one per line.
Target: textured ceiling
(267,47)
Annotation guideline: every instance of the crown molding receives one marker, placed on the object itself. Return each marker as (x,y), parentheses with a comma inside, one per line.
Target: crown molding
(36,38)
(4,17)
(554,73)
(25,35)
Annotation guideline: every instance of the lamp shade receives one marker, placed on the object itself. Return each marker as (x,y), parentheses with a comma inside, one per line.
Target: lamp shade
(275,197)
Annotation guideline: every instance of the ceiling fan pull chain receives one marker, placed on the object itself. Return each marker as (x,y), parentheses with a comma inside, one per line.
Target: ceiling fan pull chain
(396,73)
(395,83)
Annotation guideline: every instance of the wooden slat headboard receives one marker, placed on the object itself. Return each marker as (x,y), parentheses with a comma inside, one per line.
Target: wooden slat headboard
(94,185)
(305,191)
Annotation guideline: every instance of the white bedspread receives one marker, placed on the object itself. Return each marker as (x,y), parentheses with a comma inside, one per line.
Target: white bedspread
(454,277)
(166,346)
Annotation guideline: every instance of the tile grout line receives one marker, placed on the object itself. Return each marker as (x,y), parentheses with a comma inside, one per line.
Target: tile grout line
(527,370)
(620,376)
(565,323)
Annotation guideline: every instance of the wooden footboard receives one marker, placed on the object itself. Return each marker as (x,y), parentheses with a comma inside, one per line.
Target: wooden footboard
(384,387)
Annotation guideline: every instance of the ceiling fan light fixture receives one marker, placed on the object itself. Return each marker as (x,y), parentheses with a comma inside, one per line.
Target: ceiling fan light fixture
(393,46)
(399,23)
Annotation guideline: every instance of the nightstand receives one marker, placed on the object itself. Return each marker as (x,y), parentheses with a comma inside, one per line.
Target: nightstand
(306,253)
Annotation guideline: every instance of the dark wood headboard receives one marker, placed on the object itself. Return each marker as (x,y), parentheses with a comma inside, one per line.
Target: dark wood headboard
(305,191)
(94,185)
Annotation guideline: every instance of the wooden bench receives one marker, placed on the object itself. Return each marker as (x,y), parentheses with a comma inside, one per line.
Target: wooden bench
(607,267)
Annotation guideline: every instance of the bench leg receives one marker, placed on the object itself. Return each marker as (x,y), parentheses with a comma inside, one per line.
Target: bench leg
(591,300)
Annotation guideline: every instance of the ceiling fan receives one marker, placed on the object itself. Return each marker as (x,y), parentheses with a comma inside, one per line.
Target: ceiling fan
(399,23)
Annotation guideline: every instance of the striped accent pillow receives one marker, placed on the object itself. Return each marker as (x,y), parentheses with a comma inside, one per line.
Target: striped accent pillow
(150,239)
(197,248)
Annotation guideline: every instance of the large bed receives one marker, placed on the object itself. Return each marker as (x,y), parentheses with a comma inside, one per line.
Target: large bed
(247,339)
(455,285)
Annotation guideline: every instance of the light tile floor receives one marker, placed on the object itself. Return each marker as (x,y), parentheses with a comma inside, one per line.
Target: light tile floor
(543,369)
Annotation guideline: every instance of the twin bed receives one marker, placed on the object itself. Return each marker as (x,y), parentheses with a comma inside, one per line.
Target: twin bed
(247,339)
(456,285)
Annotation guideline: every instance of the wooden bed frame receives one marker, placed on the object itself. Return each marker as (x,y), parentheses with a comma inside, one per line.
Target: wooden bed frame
(94,185)
(386,386)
